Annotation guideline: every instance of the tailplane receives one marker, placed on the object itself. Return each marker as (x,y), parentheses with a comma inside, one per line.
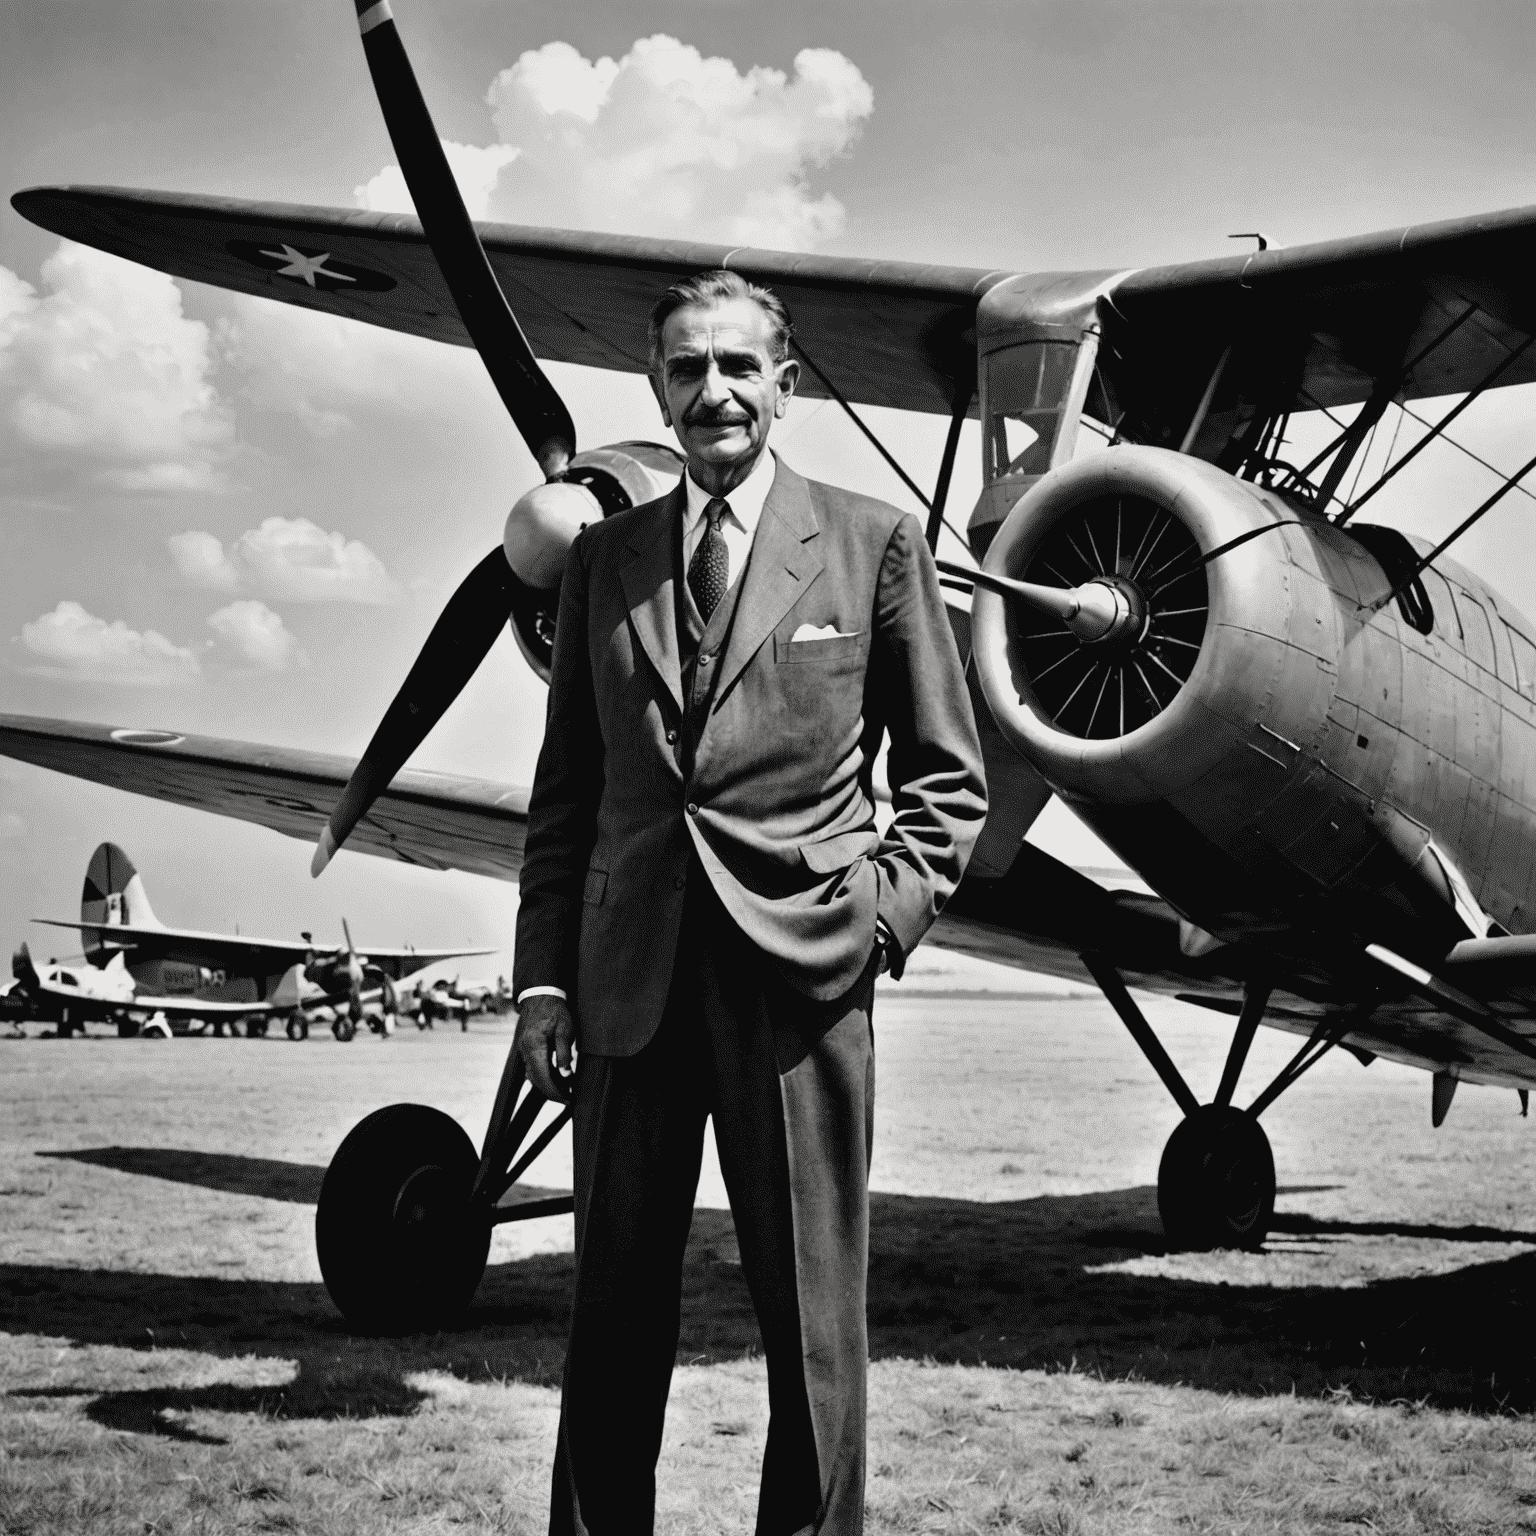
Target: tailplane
(113,893)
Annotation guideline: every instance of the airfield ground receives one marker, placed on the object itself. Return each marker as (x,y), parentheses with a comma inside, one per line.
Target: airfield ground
(171,1363)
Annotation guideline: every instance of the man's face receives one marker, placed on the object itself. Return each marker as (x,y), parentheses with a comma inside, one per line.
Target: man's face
(719,387)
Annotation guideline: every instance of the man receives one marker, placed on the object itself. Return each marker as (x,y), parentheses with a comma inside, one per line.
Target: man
(706,902)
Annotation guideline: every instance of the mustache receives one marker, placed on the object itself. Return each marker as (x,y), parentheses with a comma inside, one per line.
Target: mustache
(716,418)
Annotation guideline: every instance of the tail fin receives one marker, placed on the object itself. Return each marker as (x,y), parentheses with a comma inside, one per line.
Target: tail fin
(113,893)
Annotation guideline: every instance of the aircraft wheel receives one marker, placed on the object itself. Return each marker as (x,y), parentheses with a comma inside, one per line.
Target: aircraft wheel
(297,1027)
(127,1029)
(343,1028)
(399,1251)
(1216,1181)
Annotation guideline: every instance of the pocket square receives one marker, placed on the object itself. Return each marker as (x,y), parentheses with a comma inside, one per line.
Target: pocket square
(825,632)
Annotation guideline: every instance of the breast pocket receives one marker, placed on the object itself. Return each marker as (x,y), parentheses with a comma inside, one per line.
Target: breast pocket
(832,652)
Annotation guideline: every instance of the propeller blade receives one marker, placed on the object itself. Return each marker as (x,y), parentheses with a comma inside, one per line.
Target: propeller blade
(351,947)
(539,412)
(459,642)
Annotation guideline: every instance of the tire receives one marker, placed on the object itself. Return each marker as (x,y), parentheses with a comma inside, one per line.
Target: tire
(1216,1181)
(343,1028)
(127,1029)
(256,1029)
(399,1251)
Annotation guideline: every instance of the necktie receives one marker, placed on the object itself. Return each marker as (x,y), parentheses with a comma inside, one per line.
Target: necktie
(709,572)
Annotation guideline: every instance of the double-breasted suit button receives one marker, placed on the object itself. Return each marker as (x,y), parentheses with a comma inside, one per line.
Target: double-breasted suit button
(693,809)
(671,738)
(679,883)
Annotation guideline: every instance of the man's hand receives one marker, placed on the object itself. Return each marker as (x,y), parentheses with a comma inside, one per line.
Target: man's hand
(545,1029)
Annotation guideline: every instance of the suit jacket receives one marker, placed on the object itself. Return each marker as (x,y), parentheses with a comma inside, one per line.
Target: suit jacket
(762,774)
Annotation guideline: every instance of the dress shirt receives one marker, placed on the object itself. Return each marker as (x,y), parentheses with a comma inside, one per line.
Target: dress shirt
(738,525)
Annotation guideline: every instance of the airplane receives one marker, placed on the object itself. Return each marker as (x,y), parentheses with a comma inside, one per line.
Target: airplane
(1312,736)
(215,977)
(70,997)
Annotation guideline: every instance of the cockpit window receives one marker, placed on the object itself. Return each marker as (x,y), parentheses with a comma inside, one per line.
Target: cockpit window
(1474,625)
(1026,391)
(1525,661)
(1439,593)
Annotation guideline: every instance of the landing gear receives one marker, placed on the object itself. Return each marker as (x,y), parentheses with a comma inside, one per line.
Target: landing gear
(400,1250)
(127,1029)
(343,1028)
(406,1209)
(297,1027)
(256,1029)
(1216,1182)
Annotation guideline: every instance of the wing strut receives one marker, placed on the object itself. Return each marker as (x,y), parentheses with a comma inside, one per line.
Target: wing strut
(935,507)
(1255,1001)
(1142,1032)
(965,392)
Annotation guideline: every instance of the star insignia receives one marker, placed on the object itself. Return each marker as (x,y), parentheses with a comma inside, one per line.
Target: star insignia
(305,268)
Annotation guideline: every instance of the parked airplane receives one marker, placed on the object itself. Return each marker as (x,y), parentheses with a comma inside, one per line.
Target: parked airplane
(1314,738)
(221,976)
(72,996)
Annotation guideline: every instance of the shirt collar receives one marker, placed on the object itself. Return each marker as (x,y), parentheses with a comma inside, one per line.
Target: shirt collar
(746,500)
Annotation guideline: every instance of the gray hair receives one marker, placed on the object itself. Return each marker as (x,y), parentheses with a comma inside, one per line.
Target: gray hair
(719,287)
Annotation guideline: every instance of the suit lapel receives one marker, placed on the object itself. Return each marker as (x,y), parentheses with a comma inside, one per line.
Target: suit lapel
(647,578)
(782,565)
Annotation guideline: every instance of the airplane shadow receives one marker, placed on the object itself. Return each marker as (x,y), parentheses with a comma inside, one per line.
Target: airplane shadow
(1016,1283)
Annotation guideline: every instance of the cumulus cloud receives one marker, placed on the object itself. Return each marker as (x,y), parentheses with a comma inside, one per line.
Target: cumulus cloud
(71,643)
(289,559)
(662,141)
(201,560)
(105,369)
(474,168)
(257,635)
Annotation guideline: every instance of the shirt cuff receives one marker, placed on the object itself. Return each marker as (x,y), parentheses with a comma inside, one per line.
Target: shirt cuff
(528,992)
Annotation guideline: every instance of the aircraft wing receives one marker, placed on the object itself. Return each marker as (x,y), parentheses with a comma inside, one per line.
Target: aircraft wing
(1431,309)
(1039,914)
(249,955)
(1312,325)
(438,820)
(886,332)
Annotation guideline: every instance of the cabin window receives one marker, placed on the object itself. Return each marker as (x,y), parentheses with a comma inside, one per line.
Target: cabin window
(1026,389)
(1525,661)
(1474,627)
(1438,590)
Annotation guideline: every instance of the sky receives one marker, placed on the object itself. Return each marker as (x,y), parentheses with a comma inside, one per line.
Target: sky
(232,518)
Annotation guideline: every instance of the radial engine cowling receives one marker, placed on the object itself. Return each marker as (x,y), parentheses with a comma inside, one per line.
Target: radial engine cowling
(1168,661)
(543,525)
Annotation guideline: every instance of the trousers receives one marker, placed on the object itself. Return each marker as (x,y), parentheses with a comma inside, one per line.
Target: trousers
(789,1084)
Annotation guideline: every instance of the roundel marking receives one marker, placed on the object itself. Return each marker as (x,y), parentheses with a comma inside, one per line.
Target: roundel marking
(309,266)
(132,738)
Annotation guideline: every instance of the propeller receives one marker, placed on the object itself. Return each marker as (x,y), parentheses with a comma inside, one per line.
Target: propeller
(543,523)
(354,976)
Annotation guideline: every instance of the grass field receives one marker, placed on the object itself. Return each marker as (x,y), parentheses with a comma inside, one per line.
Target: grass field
(172,1364)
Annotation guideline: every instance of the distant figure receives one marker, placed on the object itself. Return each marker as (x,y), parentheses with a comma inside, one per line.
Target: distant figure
(706,903)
